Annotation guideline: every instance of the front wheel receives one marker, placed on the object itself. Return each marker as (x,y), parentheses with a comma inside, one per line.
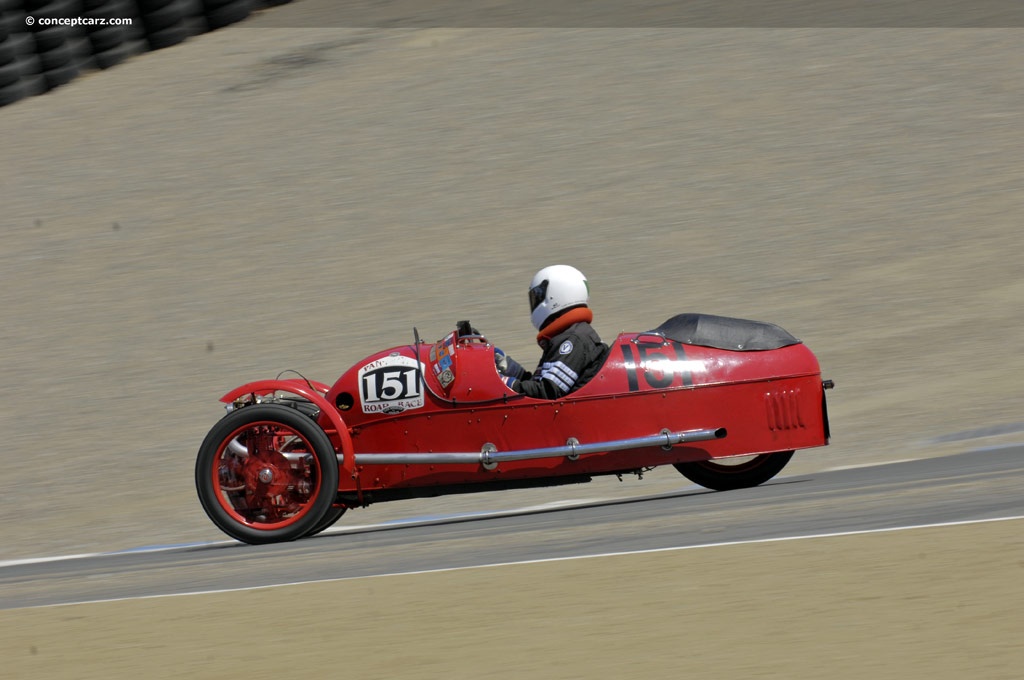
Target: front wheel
(723,475)
(266,473)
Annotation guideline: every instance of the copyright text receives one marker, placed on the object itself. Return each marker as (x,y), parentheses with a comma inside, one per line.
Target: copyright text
(78,21)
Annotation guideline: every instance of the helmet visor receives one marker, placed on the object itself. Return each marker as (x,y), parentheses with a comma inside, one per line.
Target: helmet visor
(537,294)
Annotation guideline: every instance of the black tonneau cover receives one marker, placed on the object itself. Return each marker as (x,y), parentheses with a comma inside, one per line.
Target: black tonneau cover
(723,332)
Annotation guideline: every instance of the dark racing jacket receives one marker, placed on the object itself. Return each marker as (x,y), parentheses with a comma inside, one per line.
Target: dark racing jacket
(573,354)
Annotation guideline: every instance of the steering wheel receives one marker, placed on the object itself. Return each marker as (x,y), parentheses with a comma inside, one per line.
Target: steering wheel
(467,333)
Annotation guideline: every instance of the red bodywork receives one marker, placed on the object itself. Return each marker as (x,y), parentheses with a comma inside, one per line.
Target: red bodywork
(447,397)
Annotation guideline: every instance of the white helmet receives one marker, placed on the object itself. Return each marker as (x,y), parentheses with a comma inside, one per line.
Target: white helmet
(555,289)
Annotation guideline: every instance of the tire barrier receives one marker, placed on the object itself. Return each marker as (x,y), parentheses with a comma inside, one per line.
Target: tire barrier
(37,56)
(21,43)
(164,21)
(221,13)
(111,45)
(11,87)
(58,47)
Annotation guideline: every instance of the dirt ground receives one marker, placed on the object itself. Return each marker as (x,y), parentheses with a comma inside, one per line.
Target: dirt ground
(266,199)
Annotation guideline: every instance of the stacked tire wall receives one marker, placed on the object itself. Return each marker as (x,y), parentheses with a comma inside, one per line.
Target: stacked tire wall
(37,56)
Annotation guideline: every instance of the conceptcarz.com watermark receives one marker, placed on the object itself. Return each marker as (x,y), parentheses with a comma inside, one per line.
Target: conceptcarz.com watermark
(78,21)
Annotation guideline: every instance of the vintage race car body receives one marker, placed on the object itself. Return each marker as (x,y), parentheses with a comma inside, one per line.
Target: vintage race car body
(426,419)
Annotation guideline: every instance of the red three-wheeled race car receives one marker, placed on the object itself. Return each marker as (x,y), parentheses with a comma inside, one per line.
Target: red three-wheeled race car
(726,401)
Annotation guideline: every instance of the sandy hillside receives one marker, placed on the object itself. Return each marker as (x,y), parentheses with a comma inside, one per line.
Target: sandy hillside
(267,199)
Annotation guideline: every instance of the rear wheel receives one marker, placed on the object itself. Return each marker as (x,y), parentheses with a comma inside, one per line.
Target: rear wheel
(328,520)
(267,473)
(726,474)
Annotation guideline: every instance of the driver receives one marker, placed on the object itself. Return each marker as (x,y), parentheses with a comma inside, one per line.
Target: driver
(572,350)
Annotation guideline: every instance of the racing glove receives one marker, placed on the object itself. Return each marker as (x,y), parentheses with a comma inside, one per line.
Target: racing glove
(508,366)
(514,384)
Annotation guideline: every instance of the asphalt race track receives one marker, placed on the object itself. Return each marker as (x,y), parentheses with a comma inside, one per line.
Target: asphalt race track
(969,487)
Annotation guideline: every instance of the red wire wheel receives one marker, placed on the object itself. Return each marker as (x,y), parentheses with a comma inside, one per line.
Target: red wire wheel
(266,473)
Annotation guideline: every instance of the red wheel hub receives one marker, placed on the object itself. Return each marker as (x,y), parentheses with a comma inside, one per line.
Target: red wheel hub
(267,476)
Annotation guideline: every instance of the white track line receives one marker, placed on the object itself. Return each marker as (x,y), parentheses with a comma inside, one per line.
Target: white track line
(40,560)
(347,529)
(838,468)
(650,551)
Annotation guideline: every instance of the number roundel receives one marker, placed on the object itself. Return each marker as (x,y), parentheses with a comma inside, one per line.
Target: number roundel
(390,385)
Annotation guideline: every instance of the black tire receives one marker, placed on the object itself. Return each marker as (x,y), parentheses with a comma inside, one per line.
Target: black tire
(12,20)
(81,51)
(159,19)
(195,18)
(11,93)
(22,44)
(721,476)
(116,8)
(9,74)
(50,38)
(115,55)
(32,79)
(7,53)
(111,9)
(58,57)
(229,14)
(167,37)
(328,520)
(60,75)
(33,84)
(146,6)
(194,8)
(51,9)
(29,64)
(4,31)
(267,422)
(107,38)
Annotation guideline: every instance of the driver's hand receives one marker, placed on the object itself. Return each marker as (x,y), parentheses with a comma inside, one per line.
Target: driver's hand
(514,384)
(508,366)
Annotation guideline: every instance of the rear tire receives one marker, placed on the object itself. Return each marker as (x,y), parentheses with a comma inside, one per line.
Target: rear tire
(328,520)
(721,476)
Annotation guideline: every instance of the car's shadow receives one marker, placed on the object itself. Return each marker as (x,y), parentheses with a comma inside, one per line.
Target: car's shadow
(569,507)
(341,532)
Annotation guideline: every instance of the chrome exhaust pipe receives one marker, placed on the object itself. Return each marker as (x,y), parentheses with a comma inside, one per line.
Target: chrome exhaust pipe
(489,456)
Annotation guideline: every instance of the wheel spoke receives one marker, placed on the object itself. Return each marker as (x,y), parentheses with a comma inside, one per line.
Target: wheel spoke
(265,476)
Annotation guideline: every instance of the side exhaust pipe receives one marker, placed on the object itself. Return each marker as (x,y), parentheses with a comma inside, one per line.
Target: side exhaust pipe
(489,456)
